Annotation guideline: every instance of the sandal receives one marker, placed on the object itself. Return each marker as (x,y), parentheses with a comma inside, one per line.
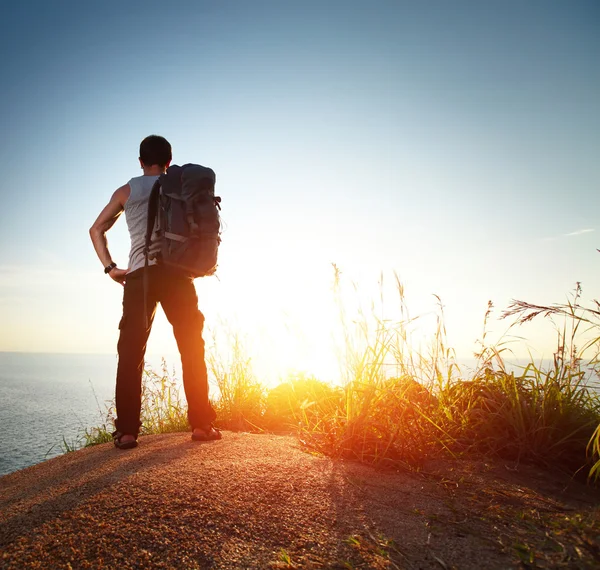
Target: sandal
(117,435)
(209,433)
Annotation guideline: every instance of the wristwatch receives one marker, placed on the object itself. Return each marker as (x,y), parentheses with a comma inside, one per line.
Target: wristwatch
(110,267)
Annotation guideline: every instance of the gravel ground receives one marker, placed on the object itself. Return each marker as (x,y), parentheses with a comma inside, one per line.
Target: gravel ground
(250,501)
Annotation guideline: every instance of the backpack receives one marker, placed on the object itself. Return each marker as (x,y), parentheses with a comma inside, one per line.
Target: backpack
(184,225)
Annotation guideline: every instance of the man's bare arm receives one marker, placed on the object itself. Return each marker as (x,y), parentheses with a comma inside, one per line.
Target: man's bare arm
(109,215)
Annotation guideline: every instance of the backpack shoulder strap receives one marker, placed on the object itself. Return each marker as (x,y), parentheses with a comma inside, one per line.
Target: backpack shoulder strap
(152,212)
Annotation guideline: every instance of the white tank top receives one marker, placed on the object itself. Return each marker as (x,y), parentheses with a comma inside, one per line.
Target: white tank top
(136,215)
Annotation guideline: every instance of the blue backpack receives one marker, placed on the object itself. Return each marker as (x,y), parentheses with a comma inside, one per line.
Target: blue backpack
(184,224)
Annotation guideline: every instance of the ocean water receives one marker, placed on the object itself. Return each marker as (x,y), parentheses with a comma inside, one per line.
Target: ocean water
(48,398)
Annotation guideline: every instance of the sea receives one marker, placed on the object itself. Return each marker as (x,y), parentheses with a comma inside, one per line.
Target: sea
(47,401)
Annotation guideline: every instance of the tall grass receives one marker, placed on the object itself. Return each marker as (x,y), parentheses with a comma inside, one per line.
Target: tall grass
(427,406)
(240,404)
(576,362)
(400,405)
(163,408)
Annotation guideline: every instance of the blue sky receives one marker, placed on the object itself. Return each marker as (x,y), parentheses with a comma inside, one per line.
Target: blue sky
(455,143)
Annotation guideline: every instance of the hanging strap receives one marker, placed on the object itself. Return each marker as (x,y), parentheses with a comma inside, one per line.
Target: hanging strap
(152,213)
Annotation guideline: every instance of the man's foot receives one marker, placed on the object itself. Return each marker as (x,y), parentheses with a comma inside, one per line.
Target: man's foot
(124,440)
(207,433)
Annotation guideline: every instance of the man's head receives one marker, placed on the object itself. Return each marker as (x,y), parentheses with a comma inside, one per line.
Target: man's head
(155,150)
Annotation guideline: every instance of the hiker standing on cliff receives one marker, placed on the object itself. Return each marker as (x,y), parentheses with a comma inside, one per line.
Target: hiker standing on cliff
(173,289)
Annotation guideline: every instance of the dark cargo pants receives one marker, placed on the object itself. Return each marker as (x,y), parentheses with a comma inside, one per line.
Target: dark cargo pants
(177,295)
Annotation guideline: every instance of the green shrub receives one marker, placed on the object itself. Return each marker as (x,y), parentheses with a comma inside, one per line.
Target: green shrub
(301,403)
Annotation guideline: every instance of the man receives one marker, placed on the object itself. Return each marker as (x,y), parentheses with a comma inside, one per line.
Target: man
(172,289)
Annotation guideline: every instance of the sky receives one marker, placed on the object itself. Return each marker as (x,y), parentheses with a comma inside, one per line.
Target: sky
(454,144)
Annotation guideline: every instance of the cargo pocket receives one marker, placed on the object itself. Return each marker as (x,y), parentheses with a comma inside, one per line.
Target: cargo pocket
(200,320)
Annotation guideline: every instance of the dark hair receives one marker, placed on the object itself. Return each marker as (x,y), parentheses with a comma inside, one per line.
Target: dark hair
(155,150)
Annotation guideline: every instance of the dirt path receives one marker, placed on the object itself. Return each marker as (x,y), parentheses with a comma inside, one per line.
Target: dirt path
(258,501)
